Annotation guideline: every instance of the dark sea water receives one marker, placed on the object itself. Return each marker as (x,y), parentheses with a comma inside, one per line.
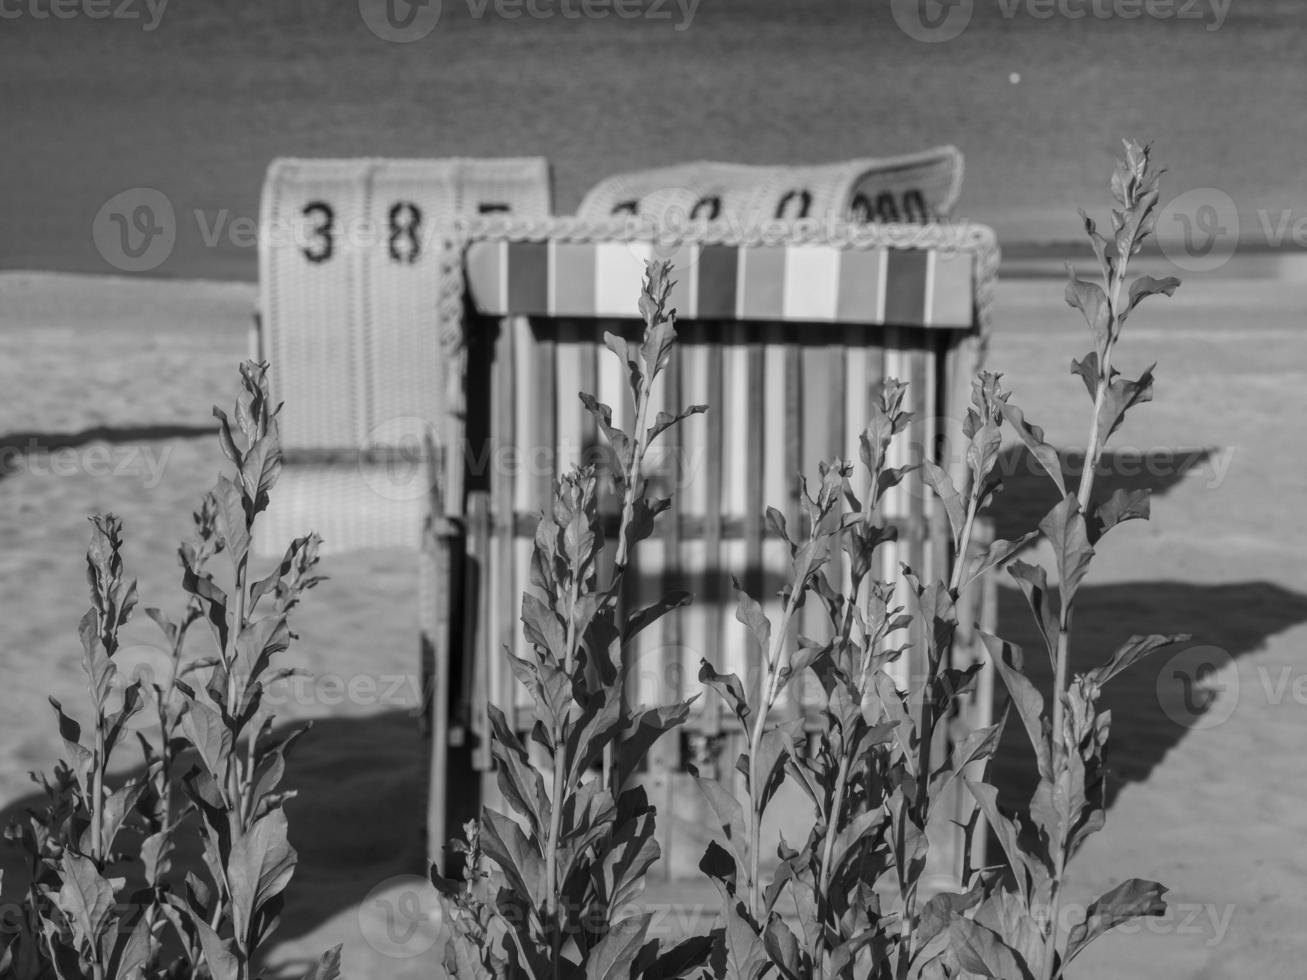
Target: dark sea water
(197,106)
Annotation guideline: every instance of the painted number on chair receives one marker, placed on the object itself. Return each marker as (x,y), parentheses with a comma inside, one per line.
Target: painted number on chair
(322,233)
(889,207)
(403,237)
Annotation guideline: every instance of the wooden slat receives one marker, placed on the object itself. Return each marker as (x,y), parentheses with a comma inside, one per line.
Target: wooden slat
(692,354)
(775,477)
(714,590)
(816,414)
(503,608)
(740,649)
(530,435)
(755,451)
(569,353)
(793,467)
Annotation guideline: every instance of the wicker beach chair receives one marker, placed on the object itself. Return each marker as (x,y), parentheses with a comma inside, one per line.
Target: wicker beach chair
(913,188)
(786,330)
(351,275)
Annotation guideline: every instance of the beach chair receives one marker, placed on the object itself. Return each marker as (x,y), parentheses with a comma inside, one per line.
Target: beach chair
(785,331)
(917,187)
(352,282)
(359,317)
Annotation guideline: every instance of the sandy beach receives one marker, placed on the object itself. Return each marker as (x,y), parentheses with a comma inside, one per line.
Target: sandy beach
(1210,807)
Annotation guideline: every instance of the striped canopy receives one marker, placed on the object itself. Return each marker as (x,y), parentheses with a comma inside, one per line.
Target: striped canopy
(924,287)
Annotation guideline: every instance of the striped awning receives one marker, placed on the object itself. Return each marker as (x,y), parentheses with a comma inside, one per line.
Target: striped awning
(805,283)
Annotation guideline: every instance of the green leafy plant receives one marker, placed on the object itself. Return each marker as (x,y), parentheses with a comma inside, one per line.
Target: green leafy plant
(1017,927)
(105,900)
(573,852)
(541,886)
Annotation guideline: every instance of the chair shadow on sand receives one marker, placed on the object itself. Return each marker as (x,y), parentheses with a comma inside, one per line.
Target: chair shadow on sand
(361,782)
(16,446)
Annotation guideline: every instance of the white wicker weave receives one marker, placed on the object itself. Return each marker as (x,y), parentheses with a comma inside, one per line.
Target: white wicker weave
(352,268)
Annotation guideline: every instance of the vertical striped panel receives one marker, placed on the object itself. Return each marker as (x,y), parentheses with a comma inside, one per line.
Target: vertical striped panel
(650,566)
(619,274)
(952,290)
(569,354)
(528,277)
(761,283)
(528,436)
(862,285)
(735,484)
(674,573)
(812,283)
(572,278)
(590,348)
(756,450)
(815,411)
(775,475)
(894,507)
(503,605)
(683,259)
(905,286)
(613,391)
(794,463)
(718,274)
(693,556)
(926,429)
(715,590)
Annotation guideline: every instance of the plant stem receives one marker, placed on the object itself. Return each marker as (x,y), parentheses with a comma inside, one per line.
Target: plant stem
(561,765)
(632,477)
(1093,452)
(771,685)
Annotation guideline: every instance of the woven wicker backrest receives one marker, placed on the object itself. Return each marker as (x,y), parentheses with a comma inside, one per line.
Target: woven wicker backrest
(353,266)
(917,187)
(350,280)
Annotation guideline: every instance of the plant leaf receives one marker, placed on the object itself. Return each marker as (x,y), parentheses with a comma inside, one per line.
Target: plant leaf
(1033,582)
(1134,650)
(729,687)
(1091,301)
(611,959)
(1033,438)
(259,867)
(327,967)
(1129,900)
(85,897)
(1027,700)
(508,847)
(1123,505)
(981,950)
(1064,526)
(937,479)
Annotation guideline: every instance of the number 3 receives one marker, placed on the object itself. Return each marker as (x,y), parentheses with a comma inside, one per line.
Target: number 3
(322,249)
